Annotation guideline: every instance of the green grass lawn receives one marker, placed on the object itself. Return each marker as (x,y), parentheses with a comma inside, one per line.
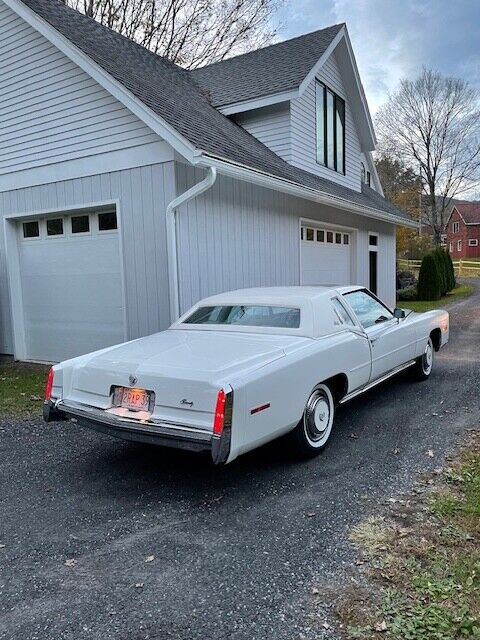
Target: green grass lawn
(462,291)
(21,388)
(421,560)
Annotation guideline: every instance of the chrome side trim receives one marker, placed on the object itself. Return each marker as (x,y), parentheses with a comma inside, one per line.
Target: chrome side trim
(385,377)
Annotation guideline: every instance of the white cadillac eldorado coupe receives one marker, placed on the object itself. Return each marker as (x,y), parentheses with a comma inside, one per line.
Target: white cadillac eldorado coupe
(242,368)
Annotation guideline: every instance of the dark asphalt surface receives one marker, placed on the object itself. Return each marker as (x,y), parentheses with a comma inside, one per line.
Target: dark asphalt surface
(238,550)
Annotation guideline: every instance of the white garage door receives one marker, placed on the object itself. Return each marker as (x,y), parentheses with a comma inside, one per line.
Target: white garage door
(71,285)
(325,255)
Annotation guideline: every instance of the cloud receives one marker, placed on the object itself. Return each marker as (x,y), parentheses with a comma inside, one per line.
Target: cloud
(393,39)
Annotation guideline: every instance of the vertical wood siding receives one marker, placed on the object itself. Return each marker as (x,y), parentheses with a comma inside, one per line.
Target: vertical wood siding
(143,194)
(270,125)
(303,133)
(240,235)
(50,110)
(235,235)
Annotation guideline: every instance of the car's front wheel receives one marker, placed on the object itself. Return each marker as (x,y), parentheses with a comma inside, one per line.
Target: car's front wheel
(312,433)
(424,365)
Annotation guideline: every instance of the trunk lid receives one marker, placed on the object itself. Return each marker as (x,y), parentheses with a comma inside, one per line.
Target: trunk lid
(185,370)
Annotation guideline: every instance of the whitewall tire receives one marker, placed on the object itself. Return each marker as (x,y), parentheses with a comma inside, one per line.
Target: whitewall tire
(312,433)
(424,365)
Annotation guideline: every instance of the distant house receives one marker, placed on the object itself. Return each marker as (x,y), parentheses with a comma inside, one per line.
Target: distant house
(463,230)
(130,188)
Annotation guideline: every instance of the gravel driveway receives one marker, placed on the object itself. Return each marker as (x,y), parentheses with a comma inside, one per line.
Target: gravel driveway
(165,546)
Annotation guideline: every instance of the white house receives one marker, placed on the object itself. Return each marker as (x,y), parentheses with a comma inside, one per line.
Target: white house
(130,188)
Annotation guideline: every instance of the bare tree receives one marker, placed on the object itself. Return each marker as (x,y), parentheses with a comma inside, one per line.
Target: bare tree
(432,124)
(188,32)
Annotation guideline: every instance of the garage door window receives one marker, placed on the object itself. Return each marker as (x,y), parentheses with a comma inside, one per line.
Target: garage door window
(330,237)
(31,229)
(80,224)
(55,227)
(107,221)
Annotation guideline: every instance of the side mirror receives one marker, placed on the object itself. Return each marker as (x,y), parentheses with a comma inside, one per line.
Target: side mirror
(399,313)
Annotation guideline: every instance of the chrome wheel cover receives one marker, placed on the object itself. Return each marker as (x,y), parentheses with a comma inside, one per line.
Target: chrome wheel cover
(318,418)
(427,358)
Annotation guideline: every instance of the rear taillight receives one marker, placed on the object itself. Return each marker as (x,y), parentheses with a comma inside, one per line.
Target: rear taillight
(49,386)
(219,420)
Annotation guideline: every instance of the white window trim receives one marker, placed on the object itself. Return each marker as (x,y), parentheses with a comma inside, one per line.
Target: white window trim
(80,234)
(32,238)
(472,242)
(55,235)
(373,247)
(450,247)
(459,245)
(456,227)
(97,223)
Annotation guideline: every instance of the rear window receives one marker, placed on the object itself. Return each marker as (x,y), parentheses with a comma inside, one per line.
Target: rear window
(247,316)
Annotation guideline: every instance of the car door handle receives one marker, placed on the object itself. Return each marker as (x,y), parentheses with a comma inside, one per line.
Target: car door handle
(372,340)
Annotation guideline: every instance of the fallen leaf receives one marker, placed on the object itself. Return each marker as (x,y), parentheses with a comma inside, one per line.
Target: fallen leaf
(353,436)
(325,625)
(396,451)
(315,590)
(430,453)
(139,585)
(71,562)
(311,514)
(2,546)
(381,626)
(35,398)
(149,558)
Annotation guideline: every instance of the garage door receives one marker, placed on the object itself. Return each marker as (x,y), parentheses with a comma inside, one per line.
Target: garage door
(325,255)
(71,285)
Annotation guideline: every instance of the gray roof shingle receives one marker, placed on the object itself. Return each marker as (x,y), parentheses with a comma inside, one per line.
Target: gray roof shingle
(280,67)
(170,92)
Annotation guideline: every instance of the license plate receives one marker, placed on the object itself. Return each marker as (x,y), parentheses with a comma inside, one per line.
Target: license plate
(135,399)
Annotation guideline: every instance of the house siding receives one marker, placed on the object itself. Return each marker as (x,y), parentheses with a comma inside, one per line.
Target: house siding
(270,125)
(303,131)
(52,111)
(465,233)
(143,194)
(240,235)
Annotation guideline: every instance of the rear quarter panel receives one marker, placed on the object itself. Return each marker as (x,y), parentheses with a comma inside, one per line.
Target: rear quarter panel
(286,384)
(427,322)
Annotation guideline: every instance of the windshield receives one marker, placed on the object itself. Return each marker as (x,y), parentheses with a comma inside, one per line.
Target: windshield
(247,316)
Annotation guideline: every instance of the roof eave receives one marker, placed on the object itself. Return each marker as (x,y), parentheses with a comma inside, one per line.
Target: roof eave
(269,181)
(258,103)
(165,131)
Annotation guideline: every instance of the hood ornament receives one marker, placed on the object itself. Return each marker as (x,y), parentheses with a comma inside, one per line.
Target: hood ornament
(132,379)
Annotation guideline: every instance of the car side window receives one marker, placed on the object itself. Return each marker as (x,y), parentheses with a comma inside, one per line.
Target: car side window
(367,309)
(342,312)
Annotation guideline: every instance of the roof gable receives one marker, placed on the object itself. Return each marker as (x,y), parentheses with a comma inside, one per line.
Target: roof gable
(271,70)
(469,212)
(283,71)
(167,98)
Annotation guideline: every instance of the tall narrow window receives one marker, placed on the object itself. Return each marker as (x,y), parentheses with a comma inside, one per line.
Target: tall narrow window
(330,116)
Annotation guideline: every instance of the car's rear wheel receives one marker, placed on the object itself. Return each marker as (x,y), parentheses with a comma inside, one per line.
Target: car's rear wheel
(424,365)
(312,433)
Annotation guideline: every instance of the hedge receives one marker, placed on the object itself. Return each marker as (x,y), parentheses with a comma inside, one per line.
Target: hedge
(430,280)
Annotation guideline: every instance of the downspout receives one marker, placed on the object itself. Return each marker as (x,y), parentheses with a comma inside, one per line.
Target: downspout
(172,241)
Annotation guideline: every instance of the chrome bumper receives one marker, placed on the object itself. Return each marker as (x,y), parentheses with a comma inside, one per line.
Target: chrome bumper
(159,433)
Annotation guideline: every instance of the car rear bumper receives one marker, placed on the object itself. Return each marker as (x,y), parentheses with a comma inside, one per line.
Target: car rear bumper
(159,433)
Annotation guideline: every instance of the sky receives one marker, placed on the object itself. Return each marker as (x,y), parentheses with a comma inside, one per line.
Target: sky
(394,39)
